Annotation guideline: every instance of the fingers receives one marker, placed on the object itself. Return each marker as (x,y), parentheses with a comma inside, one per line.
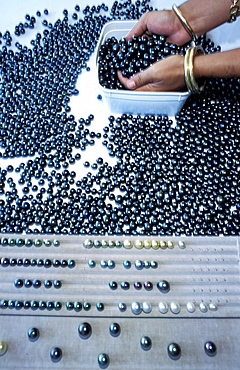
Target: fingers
(138,29)
(128,83)
(164,75)
(142,81)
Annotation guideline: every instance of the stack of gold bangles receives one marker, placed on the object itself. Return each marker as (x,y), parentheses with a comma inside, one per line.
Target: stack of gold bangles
(192,51)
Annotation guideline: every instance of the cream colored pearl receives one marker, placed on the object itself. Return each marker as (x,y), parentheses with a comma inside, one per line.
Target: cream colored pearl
(155,244)
(3,347)
(139,244)
(127,244)
(170,244)
(147,244)
(163,244)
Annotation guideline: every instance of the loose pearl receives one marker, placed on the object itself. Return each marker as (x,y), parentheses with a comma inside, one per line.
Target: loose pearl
(3,347)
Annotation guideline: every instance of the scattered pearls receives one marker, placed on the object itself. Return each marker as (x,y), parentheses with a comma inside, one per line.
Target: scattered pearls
(169,178)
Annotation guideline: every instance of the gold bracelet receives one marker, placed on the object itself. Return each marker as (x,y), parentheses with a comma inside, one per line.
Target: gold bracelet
(234,9)
(190,80)
(184,22)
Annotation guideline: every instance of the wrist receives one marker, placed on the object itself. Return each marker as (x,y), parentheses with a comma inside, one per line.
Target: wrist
(180,35)
(184,22)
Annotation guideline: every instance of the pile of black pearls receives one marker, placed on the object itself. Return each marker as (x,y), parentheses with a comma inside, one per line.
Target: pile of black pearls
(137,54)
(182,179)
(167,180)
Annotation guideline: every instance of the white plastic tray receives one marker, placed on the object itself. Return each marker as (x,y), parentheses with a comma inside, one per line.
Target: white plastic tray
(137,102)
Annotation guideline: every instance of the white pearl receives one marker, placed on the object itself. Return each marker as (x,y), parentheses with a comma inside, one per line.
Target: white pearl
(175,307)
(88,243)
(136,308)
(203,307)
(181,244)
(191,307)
(146,307)
(212,307)
(163,307)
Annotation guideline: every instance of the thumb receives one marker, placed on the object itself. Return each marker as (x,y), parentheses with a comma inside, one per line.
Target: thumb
(140,79)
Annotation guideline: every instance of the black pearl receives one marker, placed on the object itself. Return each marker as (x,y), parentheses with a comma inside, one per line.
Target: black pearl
(5,261)
(146,343)
(36,283)
(56,263)
(103,361)
(86,306)
(125,285)
(33,334)
(71,263)
(50,305)
(127,264)
(56,354)
(122,307)
(69,306)
(163,286)
(57,284)
(113,285)
(77,306)
(115,329)
(100,306)
(26,304)
(210,349)
(42,305)
(18,283)
(27,283)
(34,305)
(148,285)
(85,330)
(47,262)
(174,351)
(48,284)
(138,285)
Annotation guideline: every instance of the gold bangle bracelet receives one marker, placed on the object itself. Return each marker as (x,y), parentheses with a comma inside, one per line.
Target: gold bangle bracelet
(190,80)
(184,22)
(187,70)
(234,9)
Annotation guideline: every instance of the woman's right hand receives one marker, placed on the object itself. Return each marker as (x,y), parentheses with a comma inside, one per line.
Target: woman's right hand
(164,75)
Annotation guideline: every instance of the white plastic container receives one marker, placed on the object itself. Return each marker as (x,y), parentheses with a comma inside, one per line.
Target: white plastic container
(137,102)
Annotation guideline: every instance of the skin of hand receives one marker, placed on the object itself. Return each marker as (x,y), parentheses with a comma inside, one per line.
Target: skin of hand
(168,74)
(165,75)
(163,22)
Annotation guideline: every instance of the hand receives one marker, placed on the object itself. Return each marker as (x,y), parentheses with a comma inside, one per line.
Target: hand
(163,22)
(165,75)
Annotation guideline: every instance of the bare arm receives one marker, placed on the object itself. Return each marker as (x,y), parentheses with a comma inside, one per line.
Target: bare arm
(206,15)
(168,74)
(216,65)
(203,15)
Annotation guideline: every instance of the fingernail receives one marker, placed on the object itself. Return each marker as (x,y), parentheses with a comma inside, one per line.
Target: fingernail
(131,84)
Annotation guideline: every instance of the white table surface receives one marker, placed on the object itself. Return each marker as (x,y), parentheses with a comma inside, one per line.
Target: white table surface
(13,12)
